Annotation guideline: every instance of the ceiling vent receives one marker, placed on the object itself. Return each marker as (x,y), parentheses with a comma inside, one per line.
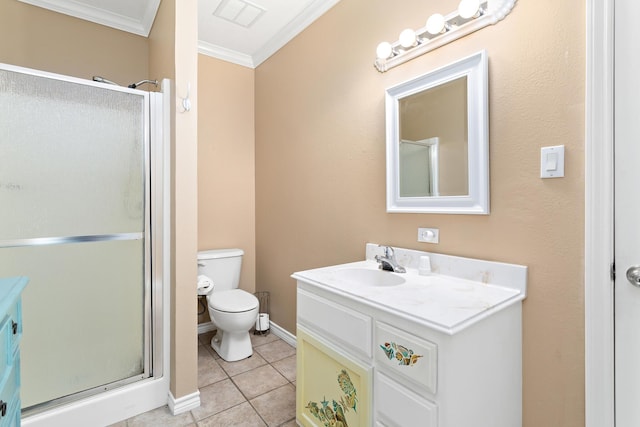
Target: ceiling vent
(239,12)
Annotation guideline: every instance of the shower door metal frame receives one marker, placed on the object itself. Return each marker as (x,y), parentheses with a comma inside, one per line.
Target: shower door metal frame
(153,248)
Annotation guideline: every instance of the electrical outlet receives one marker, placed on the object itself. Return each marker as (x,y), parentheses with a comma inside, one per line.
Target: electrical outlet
(428,235)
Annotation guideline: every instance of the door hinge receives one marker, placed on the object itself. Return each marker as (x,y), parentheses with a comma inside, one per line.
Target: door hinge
(612,271)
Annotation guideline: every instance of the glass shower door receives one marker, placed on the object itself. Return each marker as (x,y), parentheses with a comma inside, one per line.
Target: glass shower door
(74,218)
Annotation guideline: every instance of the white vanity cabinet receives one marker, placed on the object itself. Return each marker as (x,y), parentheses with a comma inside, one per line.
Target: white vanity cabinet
(456,362)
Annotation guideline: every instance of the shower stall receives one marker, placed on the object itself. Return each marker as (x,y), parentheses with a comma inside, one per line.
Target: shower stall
(419,167)
(81,215)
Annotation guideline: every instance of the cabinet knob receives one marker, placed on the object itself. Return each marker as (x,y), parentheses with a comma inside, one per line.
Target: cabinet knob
(14,327)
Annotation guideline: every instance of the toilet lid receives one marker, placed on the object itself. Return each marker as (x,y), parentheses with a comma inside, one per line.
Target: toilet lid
(233,301)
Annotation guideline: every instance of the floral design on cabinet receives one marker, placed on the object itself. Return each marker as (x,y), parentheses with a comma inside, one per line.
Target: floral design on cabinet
(402,354)
(336,417)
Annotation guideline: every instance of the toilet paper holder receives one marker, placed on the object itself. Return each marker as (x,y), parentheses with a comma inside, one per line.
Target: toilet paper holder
(205,285)
(262,321)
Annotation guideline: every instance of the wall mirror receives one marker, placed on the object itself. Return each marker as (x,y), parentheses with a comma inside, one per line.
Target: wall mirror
(438,140)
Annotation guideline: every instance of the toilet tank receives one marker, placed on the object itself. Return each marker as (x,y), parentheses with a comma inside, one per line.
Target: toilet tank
(222,266)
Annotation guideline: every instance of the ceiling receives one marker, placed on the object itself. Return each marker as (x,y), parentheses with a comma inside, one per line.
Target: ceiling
(244,32)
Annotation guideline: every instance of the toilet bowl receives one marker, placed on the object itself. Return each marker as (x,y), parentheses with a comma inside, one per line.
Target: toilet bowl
(233,311)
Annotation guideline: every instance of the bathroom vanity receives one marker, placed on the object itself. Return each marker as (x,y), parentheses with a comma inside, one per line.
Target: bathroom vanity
(10,334)
(389,349)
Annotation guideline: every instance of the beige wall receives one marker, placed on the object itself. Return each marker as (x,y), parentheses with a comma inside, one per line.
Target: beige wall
(226,162)
(320,161)
(184,207)
(162,45)
(37,38)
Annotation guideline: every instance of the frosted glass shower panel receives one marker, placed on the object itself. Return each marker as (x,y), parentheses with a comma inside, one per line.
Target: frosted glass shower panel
(65,168)
(417,175)
(83,316)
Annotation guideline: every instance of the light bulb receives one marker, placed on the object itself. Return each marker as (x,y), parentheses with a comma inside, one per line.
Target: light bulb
(469,9)
(407,38)
(435,24)
(384,50)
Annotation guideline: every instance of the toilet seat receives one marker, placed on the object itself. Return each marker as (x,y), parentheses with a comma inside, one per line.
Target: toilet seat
(233,301)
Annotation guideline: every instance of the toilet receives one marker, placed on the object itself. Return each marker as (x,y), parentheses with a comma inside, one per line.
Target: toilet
(232,310)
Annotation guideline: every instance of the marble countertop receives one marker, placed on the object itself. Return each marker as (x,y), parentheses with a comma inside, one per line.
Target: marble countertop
(446,303)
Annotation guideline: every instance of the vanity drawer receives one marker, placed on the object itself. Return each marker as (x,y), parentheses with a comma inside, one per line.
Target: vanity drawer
(398,407)
(10,333)
(15,324)
(6,354)
(407,357)
(352,329)
(12,417)
(9,395)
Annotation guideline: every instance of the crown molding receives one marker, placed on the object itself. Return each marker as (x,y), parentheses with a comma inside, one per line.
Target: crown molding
(141,26)
(225,54)
(315,10)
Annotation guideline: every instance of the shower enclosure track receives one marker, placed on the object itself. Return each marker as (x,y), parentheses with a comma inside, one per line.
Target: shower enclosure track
(42,241)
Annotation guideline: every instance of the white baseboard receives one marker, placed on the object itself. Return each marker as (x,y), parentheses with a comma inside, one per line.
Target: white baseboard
(278,331)
(105,408)
(286,336)
(183,404)
(206,327)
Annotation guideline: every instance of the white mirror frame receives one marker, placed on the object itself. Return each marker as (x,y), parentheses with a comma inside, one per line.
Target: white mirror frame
(475,68)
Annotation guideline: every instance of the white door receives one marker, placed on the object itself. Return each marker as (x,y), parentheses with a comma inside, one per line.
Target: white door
(627,213)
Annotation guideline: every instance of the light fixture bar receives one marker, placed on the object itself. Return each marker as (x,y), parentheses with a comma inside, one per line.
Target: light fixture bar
(446,28)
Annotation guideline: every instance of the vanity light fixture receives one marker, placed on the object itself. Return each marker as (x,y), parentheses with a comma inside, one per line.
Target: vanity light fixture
(408,38)
(468,9)
(436,24)
(470,16)
(384,50)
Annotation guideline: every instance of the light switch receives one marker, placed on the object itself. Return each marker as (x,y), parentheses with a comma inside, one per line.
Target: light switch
(552,162)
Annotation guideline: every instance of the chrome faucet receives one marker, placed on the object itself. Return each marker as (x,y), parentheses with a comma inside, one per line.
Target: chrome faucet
(388,261)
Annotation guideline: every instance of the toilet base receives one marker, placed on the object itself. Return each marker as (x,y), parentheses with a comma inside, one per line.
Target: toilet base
(232,346)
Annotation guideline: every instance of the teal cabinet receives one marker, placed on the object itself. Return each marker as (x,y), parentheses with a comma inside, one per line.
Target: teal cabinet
(10,335)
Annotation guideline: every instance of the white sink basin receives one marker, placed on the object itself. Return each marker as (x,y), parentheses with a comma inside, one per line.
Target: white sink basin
(368,277)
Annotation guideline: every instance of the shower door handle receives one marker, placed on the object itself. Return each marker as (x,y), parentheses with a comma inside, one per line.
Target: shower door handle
(633,275)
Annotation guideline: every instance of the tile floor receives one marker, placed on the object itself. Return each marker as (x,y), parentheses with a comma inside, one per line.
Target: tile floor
(256,392)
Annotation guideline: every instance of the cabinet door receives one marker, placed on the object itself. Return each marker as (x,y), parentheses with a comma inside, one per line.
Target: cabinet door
(332,388)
